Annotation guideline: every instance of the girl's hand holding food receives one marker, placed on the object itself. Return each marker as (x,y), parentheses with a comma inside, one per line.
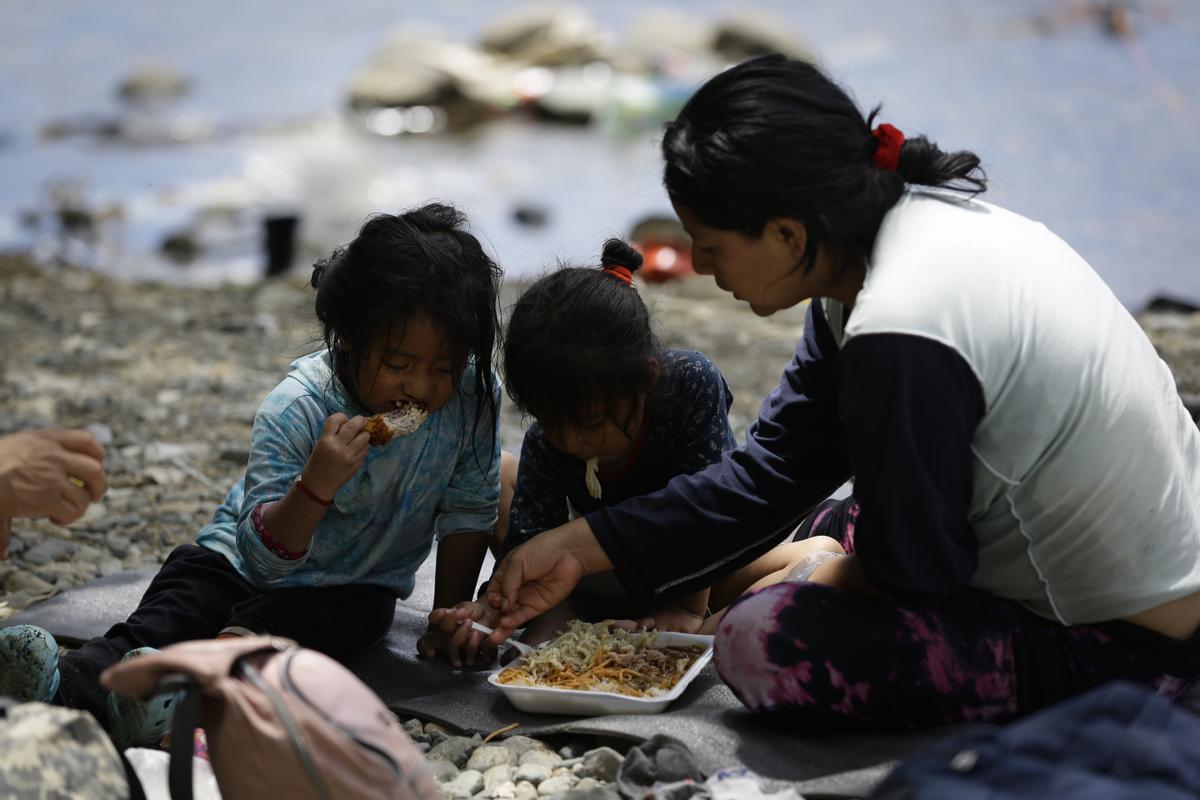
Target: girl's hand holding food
(450,633)
(340,452)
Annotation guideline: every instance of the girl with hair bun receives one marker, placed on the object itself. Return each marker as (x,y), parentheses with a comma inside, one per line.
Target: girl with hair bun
(615,416)
(325,531)
(1025,516)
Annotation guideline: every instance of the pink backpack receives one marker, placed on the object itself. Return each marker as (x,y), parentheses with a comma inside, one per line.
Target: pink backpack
(281,721)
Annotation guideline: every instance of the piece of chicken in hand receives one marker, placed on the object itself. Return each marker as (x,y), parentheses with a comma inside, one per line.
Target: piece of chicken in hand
(404,419)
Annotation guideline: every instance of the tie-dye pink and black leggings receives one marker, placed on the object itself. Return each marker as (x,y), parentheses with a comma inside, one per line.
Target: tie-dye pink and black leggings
(817,656)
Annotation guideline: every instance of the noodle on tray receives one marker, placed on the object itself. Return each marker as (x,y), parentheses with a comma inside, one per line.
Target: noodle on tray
(594,658)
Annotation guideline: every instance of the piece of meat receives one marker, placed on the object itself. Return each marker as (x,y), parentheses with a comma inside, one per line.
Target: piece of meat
(401,421)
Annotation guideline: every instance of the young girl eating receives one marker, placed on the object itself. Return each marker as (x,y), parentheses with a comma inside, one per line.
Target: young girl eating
(1025,522)
(616,416)
(326,531)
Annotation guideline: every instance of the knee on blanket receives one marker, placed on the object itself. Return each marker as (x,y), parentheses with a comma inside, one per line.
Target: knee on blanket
(783,653)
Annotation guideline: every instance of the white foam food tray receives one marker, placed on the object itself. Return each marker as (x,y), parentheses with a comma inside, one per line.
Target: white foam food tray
(580,703)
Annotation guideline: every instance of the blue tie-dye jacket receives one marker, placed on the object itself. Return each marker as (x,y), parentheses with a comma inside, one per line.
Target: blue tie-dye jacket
(441,480)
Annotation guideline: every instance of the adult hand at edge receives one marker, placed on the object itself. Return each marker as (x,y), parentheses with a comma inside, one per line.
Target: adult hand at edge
(50,473)
(541,573)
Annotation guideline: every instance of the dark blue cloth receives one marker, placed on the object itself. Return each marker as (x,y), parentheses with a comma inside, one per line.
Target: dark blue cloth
(688,429)
(896,411)
(1118,742)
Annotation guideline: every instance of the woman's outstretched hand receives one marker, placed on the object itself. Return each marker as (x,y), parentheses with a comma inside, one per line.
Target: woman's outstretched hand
(541,573)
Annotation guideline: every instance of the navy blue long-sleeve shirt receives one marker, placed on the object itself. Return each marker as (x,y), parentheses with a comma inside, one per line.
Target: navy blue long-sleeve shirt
(687,429)
(894,411)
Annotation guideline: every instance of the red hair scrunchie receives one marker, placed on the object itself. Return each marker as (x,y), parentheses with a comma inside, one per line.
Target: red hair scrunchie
(623,274)
(887,153)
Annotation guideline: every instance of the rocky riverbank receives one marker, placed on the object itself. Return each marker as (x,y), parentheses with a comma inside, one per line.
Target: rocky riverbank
(515,768)
(168,378)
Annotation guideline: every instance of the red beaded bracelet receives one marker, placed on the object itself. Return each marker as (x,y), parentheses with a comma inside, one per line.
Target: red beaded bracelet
(311,494)
(270,541)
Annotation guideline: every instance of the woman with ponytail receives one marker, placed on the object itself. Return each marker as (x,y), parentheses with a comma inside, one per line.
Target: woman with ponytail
(1025,516)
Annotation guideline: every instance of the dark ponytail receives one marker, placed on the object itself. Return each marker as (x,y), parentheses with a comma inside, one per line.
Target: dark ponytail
(775,137)
(422,261)
(580,338)
(923,163)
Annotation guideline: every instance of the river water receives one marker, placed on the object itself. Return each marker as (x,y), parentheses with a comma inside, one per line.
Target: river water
(1090,133)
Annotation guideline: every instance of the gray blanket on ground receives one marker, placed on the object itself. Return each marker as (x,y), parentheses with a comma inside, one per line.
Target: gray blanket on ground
(708,717)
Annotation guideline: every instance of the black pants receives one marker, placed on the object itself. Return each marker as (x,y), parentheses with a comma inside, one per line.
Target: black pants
(197,593)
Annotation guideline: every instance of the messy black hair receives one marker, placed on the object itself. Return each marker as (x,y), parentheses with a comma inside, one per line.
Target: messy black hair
(775,137)
(399,266)
(579,336)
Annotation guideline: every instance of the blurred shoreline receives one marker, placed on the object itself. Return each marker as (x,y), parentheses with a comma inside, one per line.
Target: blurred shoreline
(169,378)
(157,140)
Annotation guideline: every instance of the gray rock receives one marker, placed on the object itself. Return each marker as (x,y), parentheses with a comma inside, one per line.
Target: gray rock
(534,773)
(574,96)
(165,476)
(116,521)
(109,566)
(526,791)
(436,733)
(414,729)
(456,750)
(494,776)
(520,745)
(89,554)
(17,600)
(466,783)
(118,544)
(95,511)
(168,452)
(239,454)
(48,550)
(503,791)
(587,783)
(381,84)
(660,31)
(64,574)
(592,793)
(602,764)
(443,771)
(488,756)
(548,36)
(556,785)
(746,34)
(239,412)
(101,432)
(573,750)
(544,757)
(26,582)
(152,85)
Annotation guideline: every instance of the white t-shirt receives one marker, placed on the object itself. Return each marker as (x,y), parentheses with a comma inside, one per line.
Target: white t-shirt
(1086,484)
